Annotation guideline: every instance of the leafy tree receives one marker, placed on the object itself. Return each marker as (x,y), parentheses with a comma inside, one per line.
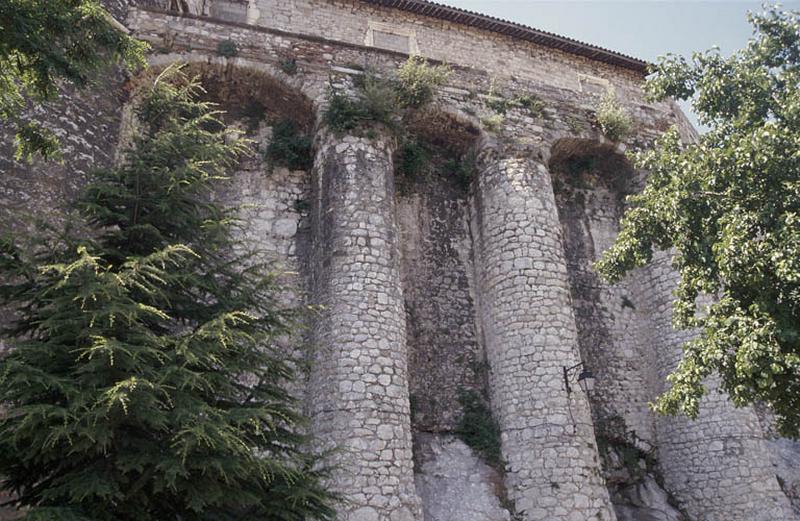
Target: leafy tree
(43,42)
(729,206)
(146,381)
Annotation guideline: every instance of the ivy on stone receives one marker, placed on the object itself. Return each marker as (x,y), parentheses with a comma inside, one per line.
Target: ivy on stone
(145,379)
(728,207)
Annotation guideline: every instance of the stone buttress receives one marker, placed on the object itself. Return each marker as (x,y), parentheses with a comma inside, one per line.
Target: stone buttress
(717,465)
(358,392)
(553,469)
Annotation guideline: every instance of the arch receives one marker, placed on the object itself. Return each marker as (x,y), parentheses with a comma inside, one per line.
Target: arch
(445,128)
(280,93)
(586,162)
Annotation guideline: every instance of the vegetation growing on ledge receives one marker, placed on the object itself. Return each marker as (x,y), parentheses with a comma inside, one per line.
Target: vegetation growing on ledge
(493,123)
(417,81)
(462,170)
(501,103)
(532,104)
(613,120)
(289,147)
(413,159)
(383,99)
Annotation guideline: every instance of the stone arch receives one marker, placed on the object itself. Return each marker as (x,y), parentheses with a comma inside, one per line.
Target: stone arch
(237,81)
(446,139)
(253,74)
(272,199)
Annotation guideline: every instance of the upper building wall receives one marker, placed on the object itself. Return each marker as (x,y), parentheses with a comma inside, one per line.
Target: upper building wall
(365,24)
(362,23)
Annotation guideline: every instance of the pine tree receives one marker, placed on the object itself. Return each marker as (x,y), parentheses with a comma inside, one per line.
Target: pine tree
(145,381)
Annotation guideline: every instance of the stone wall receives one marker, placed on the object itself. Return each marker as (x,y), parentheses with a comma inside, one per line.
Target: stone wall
(717,465)
(421,288)
(445,356)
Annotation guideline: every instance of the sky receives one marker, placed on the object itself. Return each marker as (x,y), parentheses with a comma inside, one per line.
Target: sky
(644,29)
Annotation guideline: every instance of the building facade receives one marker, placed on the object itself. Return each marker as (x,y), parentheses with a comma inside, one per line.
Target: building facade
(437,292)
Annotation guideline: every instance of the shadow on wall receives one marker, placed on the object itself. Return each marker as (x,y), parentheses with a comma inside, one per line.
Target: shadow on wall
(591,181)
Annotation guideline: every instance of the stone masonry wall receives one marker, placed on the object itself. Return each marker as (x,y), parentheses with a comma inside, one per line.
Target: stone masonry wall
(590,193)
(499,283)
(717,465)
(445,358)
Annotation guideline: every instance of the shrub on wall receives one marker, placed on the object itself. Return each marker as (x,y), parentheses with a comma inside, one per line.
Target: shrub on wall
(412,159)
(462,170)
(227,48)
(418,81)
(479,429)
(289,147)
(615,123)
(382,99)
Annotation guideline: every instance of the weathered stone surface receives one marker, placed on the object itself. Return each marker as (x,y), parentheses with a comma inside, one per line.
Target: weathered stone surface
(646,501)
(717,466)
(455,484)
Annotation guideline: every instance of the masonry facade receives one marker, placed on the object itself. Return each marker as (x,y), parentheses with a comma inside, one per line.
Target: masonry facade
(431,289)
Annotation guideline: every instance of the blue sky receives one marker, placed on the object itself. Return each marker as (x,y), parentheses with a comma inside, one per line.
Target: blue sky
(645,29)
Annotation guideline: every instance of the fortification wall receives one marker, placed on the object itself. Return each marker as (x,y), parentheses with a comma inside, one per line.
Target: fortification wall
(422,286)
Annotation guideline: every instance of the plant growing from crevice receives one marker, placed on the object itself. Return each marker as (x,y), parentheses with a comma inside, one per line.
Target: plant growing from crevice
(574,124)
(227,49)
(301,206)
(478,428)
(375,100)
(462,170)
(344,113)
(413,160)
(502,104)
(613,120)
(418,81)
(289,147)
(492,123)
(289,66)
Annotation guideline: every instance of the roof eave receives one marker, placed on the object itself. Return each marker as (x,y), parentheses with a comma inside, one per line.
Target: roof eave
(515,30)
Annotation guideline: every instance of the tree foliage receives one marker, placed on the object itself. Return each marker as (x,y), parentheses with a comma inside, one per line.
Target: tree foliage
(729,207)
(146,381)
(45,42)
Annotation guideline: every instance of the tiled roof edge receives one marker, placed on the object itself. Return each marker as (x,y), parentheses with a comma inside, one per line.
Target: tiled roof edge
(514,30)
